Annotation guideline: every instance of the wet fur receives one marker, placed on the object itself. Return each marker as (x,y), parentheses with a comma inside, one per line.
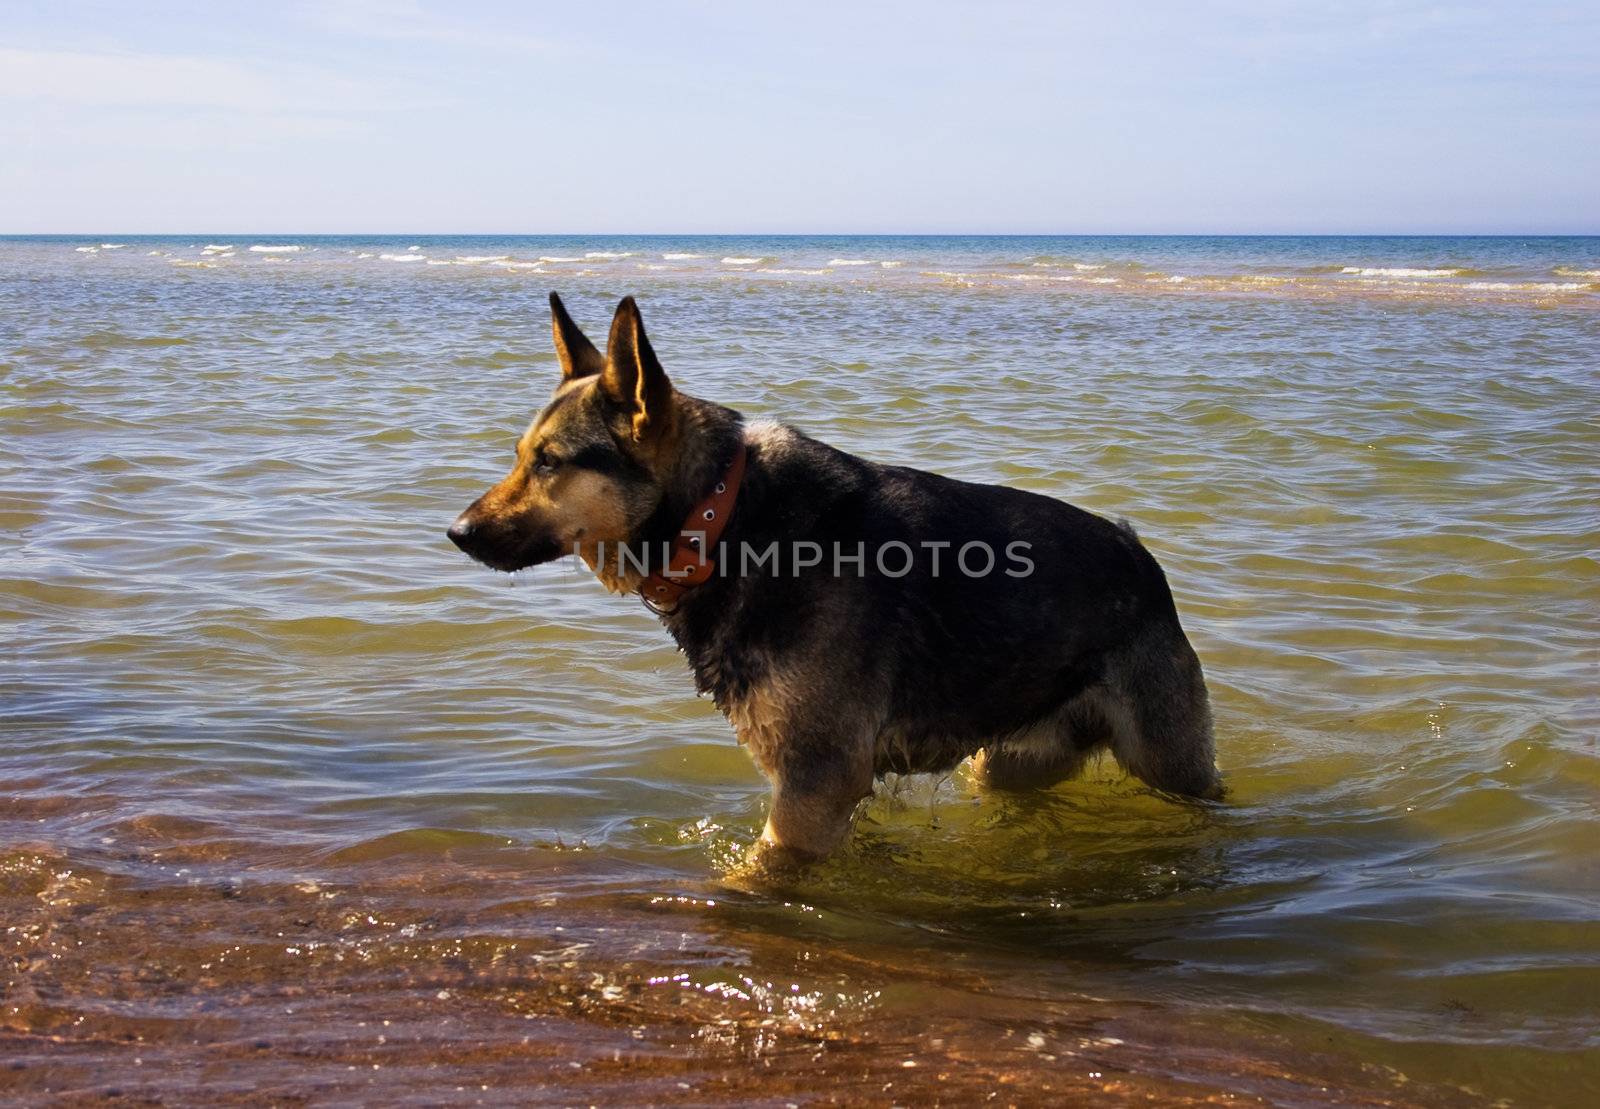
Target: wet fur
(830,681)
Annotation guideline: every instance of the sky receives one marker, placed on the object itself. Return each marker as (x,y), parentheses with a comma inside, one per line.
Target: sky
(1155,117)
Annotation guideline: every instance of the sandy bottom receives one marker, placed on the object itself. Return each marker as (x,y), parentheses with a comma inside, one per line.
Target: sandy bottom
(463,980)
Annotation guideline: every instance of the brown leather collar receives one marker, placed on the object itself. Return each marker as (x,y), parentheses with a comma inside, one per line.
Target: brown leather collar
(691,562)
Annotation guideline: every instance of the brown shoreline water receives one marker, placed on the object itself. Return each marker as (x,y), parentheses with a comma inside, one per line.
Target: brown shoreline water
(277,764)
(486,974)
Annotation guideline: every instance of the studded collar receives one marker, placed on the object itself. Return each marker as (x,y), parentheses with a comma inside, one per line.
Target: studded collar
(691,562)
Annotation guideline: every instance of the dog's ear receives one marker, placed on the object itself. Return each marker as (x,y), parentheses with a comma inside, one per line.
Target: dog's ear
(577,353)
(633,379)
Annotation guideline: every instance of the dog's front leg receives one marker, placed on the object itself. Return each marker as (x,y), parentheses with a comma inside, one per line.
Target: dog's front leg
(815,789)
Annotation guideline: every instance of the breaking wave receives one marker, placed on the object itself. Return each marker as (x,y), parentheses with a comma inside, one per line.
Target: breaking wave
(1402,271)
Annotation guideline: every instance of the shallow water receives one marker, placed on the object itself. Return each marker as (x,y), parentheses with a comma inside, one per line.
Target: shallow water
(266,730)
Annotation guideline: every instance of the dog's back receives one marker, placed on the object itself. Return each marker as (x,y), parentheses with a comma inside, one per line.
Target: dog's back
(998,619)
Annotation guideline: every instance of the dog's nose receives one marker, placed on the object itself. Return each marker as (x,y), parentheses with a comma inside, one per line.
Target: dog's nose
(461,531)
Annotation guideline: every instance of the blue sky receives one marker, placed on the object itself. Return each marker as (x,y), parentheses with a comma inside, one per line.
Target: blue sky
(1155,117)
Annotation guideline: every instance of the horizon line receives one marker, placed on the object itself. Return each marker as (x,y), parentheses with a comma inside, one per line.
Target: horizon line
(820,234)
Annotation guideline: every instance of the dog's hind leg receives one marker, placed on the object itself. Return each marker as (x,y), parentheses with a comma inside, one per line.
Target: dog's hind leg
(1166,738)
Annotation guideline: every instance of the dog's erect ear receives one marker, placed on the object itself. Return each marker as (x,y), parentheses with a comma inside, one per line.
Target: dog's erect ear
(577,353)
(633,379)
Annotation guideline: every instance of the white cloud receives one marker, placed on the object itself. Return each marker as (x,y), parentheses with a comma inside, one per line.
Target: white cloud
(409,20)
(144,80)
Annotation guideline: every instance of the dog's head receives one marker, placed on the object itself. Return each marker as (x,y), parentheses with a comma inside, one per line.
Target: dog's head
(593,466)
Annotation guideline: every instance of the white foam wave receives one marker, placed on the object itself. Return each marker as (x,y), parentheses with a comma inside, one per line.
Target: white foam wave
(558,258)
(850,262)
(87,249)
(1087,266)
(609,254)
(402,257)
(740,261)
(468,259)
(1397,271)
(1530,286)
(1568,271)
(808,273)
(439,262)
(681,257)
(890,265)
(522,266)
(112,246)
(258,248)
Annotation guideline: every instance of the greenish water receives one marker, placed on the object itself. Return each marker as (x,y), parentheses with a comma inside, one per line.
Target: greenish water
(240,650)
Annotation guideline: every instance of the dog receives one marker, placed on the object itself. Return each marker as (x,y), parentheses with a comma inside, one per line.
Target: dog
(850,651)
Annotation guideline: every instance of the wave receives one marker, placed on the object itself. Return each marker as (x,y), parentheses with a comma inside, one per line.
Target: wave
(735,261)
(1568,271)
(214,248)
(112,246)
(402,258)
(522,266)
(558,258)
(1529,286)
(808,273)
(849,262)
(681,257)
(259,248)
(1401,271)
(609,254)
(87,249)
(467,259)
(890,265)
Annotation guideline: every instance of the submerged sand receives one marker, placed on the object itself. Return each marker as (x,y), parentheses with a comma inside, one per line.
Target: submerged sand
(203,974)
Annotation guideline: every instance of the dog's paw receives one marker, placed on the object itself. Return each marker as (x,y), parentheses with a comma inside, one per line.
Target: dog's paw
(767,864)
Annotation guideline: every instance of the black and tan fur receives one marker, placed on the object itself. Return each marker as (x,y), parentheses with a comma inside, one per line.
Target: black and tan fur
(831,680)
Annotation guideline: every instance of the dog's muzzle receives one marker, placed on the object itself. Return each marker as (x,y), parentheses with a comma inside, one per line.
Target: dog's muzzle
(501,546)
(461,532)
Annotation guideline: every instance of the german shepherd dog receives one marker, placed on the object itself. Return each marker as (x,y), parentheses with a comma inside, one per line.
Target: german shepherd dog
(835,668)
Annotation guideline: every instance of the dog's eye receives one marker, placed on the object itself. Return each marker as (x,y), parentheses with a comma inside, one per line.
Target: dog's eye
(546,463)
